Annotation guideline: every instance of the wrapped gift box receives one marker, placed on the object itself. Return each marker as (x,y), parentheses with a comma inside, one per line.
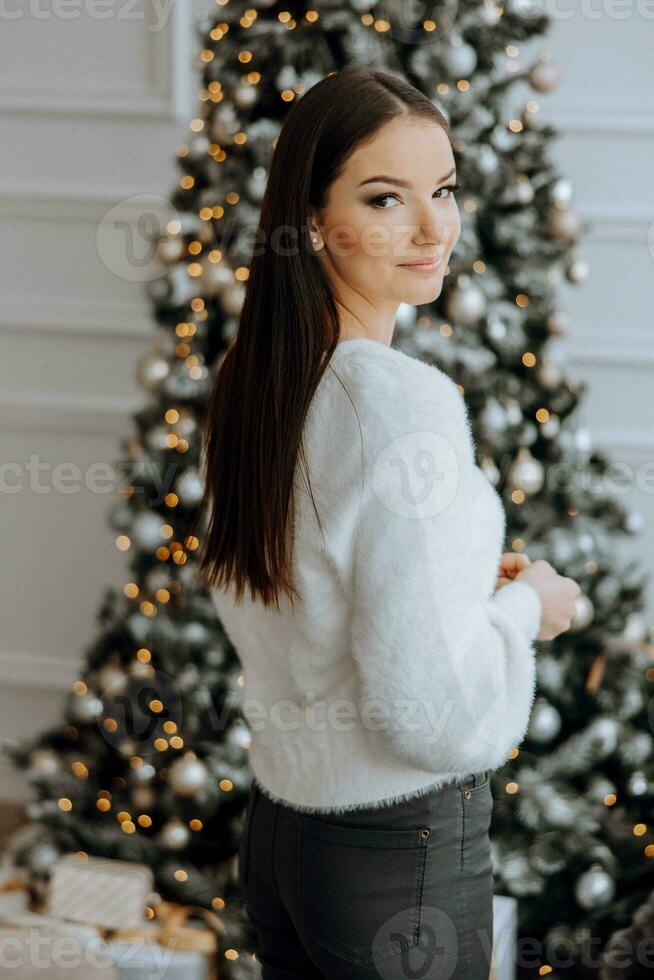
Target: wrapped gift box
(100,892)
(505,931)
(149,960)
(36,946)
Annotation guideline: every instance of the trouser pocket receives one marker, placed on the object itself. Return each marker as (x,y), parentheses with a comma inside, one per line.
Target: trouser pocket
(477,811)
(360,888)
(477,784)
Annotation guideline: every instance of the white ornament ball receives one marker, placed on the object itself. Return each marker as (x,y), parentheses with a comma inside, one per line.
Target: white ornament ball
(561,191)
(42,856)
(198,145)
(545,722)
(551,428)
(156,437)
(286,78)
(635,629)
(558,322)
(490,13)
(577,270)
(216,277)
(186,425)
(599,788)
(256,184)
(460,59)
(466,302)
(607,731)
(584,613)
(152,370)
(405,316)
(487,161)
(564,223)
(232,299)
(527,474)
(493,416)
(637,784)
(513,411)
(110,680)
(635,521)
(170,250)
(126,747)
(86,707)
(504,139)
(188,775)
(522,8)
(595,888)
(44,762)
(549,373)
(190,487)
(532,116)
(144,773)
(225,125)
(638,748)
(545,76)
(524,192)
(174,835)
(158,578)
(146,531)
(245,96)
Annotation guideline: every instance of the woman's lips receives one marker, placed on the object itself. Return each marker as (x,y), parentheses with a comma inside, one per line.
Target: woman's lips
(423,266)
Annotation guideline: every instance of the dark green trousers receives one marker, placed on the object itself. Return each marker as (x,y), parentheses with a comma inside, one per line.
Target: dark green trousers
(394,892)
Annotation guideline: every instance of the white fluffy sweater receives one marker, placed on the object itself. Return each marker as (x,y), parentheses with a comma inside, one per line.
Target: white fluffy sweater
(401,669)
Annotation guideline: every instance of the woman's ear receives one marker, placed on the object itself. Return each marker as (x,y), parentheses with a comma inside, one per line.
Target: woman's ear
(315,234)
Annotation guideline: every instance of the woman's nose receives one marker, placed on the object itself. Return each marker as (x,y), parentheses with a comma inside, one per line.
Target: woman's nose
(429,224)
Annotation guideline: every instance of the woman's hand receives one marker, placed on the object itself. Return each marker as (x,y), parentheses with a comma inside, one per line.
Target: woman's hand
(511,563)
(558,596)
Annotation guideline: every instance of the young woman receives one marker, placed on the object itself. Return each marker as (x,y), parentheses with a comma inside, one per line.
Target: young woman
(353,550)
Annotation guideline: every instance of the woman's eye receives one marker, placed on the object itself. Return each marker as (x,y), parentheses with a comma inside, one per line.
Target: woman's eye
(451,188)
(382,197)
(375,202)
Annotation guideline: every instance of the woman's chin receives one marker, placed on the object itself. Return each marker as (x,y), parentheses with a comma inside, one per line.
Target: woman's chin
(425,292)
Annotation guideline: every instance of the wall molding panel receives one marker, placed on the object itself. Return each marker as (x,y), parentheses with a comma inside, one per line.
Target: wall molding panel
(166,94)
(37,672)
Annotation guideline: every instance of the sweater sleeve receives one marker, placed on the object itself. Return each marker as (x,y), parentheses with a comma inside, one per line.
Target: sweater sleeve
(447,675)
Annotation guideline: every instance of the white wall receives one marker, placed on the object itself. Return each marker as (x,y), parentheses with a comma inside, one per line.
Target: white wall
(91,113)
(604,109)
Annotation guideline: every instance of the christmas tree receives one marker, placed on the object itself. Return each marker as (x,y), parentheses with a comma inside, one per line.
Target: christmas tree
(150,761)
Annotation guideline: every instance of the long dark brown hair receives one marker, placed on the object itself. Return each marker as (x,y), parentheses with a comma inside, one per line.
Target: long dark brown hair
(288,329)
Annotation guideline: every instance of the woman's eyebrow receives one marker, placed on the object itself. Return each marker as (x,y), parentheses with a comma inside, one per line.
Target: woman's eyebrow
(385,179)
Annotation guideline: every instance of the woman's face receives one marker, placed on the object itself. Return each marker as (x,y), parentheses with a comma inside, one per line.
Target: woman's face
(370,229)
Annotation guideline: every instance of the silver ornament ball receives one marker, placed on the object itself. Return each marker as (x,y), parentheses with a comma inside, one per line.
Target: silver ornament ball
(174,835)
(188,775)
(595,888)
(466,302)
